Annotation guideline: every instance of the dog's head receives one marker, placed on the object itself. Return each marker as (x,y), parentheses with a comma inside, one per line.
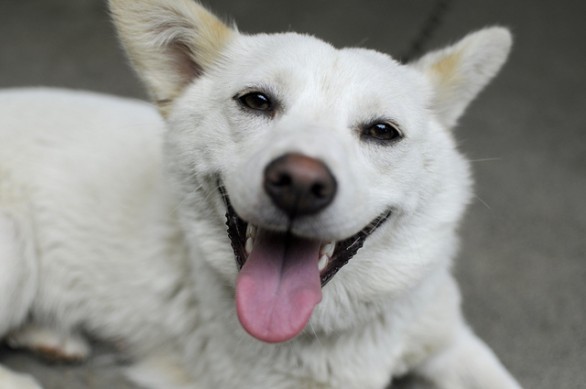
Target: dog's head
(291,155)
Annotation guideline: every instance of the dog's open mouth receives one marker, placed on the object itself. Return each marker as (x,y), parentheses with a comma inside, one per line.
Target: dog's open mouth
(281,275)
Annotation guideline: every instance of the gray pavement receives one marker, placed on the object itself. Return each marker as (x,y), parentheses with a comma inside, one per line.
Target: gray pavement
(523,262)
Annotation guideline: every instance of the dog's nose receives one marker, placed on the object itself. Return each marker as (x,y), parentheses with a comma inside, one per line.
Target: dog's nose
(299,185)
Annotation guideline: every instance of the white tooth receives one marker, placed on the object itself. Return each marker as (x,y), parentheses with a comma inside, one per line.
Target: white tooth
(322,263)
(328,249)
(250,231)
(248,245)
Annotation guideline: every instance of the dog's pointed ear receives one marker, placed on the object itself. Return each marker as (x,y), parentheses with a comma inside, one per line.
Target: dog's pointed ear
(459,72)
(169,42)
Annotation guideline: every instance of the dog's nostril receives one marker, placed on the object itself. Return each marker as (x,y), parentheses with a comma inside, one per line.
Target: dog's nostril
(319,191)
(282,180)
(299,185)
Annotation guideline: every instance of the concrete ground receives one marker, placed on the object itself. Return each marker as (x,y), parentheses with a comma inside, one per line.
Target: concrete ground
(523,263)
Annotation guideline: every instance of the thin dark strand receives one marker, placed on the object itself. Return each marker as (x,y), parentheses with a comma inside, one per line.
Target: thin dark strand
(430,26)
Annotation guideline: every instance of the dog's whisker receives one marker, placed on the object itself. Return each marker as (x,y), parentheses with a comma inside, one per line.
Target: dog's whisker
(362,42)
(315,335)
(485,159)
(483,202)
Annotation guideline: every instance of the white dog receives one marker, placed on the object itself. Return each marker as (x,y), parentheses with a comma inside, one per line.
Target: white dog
(289,224)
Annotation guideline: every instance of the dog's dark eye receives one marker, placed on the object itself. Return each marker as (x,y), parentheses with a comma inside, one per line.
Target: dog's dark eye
(257,101)
(382,132)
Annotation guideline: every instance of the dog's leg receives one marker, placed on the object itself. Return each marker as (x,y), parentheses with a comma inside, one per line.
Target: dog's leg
(12,380)
(50,343)
(161,370)
(16,293)
(17,273)
(467,363)
(17,288)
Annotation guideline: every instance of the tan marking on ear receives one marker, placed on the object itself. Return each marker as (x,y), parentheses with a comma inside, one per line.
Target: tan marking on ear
(214,36)
(446,68)
(164,107)
(459,72)
(203,47)
(170,43)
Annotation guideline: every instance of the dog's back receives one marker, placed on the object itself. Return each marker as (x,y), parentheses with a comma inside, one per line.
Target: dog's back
(83,217)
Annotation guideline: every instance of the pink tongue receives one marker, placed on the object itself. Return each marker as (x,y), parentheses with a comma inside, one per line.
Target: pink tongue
(278,286)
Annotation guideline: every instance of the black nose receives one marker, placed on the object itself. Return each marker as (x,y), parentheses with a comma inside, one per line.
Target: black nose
(299,185)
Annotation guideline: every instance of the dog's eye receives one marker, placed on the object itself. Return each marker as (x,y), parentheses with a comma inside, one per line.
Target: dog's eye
(382,132)
(257,101)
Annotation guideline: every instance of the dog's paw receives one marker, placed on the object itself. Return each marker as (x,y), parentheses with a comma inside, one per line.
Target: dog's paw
(164,369)
(12,380)
(467,363)
(50,344)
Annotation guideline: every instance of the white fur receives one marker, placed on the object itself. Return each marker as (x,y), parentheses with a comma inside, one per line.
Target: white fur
(12,380)
(111,225)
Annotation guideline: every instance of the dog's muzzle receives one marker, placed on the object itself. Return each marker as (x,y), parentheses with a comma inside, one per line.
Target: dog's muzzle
(281,275)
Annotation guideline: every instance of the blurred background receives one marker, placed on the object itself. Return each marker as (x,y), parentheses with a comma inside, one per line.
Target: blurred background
(522,266)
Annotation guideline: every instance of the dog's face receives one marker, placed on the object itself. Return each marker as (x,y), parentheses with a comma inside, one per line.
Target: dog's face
(341,119)
(310,153)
